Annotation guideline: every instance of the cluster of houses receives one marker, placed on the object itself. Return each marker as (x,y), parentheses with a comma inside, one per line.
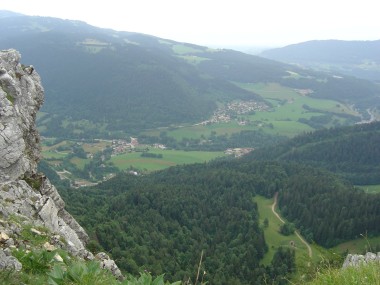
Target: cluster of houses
(223,114)
(304,92)
(122,146)
(238,152)
(244,107)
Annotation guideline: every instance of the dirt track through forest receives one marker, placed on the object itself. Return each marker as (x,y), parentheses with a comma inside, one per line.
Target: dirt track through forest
(296,232)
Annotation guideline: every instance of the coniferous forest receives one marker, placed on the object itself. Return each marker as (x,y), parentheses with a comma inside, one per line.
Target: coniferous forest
(351,152)
(163,221)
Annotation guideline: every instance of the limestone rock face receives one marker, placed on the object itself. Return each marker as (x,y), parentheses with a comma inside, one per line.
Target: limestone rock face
(24,194)
(358,259)
(109,264)
(9,262)
(21,95)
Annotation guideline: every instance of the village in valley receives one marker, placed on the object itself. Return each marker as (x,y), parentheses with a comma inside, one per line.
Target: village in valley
(232,109)
(123,146)
(87,163)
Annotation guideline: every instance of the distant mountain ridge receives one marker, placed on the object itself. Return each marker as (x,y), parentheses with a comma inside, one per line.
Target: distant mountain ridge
(356,58)
(100,82)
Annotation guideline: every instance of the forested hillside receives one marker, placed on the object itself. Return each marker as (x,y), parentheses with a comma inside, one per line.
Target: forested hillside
(328,211)
(352,152)
(104,83)
(164,220)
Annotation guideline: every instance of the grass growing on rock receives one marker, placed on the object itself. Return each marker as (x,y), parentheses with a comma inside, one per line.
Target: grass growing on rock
(365,274)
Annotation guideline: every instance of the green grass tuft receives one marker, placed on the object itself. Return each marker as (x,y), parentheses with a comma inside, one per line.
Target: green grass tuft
(366,274)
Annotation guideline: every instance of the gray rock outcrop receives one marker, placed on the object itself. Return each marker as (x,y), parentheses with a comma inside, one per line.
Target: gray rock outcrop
(27,197)
(107,263)
(9,262)
(357,259)
(23,192)
(21,95)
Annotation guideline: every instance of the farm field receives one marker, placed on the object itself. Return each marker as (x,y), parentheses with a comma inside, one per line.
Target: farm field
(169,158)
(288,106)
(57,154)
(371,189)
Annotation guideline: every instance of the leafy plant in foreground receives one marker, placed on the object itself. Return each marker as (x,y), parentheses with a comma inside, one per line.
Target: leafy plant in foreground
(147,279)
(80,273)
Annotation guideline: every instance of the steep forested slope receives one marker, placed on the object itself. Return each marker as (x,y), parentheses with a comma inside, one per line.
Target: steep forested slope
(163,220)
(327,210)
(352,152)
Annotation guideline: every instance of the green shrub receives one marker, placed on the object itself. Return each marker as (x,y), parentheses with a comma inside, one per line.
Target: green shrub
(147,279)
(34,182)
(287,229)
(34,238)
(82,273)
(35,262)
(11,98)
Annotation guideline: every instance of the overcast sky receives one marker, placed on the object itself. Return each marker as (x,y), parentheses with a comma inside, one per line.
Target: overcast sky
(220,23)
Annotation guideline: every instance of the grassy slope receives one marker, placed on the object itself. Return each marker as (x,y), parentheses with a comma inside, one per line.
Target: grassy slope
(369,274)
(360,245)
(371,189)
(274,239)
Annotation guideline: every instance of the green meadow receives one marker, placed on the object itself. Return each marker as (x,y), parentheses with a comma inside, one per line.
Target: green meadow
(370,189)
(184,49)
(287,107)
(127,160)
(169,158)
(360,245)
(274,239)
(79,162)
(196,132)
(49,154)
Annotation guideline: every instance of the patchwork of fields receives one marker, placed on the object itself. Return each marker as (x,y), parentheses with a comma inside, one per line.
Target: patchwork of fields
(289,114)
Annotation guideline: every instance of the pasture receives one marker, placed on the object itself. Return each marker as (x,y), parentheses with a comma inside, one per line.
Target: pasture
(370,189)
(273,237)
(169,158)
(287,107)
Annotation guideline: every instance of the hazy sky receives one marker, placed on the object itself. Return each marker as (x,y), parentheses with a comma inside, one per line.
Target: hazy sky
(220,23)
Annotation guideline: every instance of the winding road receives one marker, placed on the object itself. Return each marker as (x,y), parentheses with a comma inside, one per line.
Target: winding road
(296,232)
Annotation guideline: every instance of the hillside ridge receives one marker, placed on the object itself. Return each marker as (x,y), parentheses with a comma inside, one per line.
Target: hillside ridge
(126,83)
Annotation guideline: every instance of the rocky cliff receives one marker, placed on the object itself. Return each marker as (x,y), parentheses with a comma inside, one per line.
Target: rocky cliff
(358,259)
(27,197)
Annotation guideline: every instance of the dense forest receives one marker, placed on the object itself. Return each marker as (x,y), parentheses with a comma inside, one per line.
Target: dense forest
(351,152)
(163,221)
(329,211)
